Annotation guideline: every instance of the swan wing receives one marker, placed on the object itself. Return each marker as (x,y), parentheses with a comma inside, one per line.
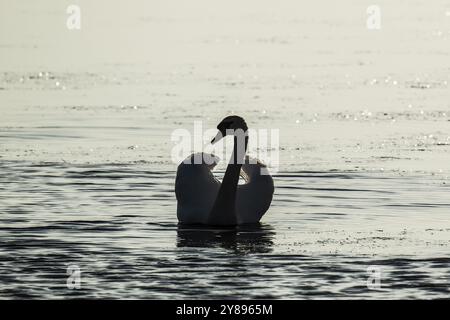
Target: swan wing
(196,190)
(254,197)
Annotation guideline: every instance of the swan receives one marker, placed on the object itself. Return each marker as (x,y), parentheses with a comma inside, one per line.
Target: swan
(203,199)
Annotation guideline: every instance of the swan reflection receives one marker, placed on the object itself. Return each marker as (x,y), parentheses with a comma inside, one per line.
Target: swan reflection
(255,238)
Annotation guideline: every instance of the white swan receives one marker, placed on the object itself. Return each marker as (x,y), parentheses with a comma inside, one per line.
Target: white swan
(202,199)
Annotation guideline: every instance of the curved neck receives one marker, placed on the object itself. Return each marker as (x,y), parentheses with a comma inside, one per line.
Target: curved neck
(224,208)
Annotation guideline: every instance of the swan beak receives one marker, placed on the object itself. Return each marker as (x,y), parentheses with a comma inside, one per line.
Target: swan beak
(217,137)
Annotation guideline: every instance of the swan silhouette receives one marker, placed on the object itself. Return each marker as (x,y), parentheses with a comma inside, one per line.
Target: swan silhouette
(203,199)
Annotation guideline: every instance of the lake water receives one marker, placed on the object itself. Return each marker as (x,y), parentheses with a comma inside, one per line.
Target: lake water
(86,176)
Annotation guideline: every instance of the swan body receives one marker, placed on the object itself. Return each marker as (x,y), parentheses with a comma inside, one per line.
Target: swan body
(203,199)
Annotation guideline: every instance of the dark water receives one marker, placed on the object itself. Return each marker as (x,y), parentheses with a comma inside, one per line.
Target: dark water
(118,224)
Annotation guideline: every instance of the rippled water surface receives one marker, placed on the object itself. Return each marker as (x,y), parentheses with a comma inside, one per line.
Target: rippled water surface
(87,178)
(117,223)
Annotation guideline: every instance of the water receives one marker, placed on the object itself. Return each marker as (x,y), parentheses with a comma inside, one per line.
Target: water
(86,176)
(117,223)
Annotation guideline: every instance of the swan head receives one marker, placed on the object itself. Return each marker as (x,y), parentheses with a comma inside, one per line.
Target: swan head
(230,126)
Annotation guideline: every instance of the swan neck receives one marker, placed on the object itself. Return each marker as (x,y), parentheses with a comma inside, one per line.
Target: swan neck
(224,209)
